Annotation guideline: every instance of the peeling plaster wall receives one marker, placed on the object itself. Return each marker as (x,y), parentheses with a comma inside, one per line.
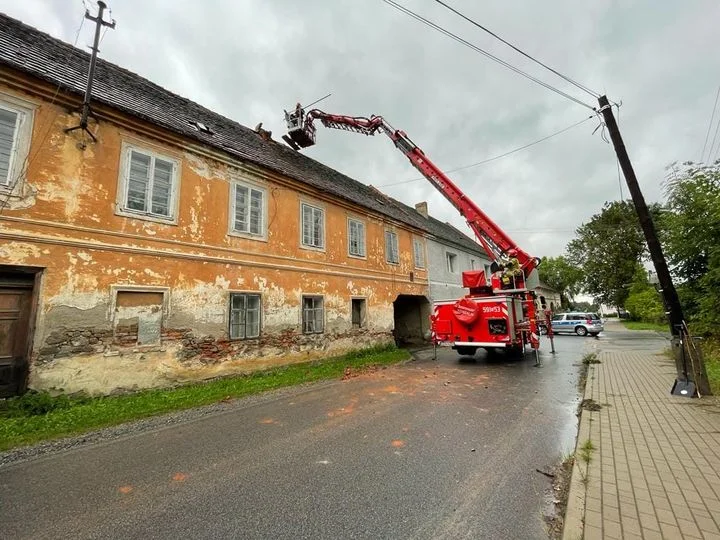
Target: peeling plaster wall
(65,220)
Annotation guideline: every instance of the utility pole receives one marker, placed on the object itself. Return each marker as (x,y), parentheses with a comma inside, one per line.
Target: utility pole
(99,23)
(685,382)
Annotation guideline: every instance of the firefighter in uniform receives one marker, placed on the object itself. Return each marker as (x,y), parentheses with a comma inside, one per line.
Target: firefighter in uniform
(511,271)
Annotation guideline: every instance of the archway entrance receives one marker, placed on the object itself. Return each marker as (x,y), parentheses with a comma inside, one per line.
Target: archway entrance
(412,319)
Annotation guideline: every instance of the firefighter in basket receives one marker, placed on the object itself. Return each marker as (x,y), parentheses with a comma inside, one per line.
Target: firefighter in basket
(511,271)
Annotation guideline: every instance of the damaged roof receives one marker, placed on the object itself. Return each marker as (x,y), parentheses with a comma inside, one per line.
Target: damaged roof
(36,53)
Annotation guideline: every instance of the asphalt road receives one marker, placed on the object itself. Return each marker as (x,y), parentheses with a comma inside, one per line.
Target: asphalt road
(445,449)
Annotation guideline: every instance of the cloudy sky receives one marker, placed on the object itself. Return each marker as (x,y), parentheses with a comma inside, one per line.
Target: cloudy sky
(250,59)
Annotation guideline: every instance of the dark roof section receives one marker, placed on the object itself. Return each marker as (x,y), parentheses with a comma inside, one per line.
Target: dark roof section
(36,53)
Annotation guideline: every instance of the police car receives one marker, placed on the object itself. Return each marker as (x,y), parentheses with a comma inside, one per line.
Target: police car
(578,323)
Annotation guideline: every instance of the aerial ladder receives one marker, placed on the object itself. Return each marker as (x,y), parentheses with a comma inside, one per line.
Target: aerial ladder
(496,315)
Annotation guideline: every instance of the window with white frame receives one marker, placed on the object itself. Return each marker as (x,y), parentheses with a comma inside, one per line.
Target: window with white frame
(419,252)
(248,210)
(149,182)
(356,238)
(472,264)
(313,315)
(488,274)
(451,259)
(244,315)
(15,133)
(313,226)
(391,247)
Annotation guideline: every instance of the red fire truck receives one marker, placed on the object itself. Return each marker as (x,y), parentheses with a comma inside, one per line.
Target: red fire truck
(500,314)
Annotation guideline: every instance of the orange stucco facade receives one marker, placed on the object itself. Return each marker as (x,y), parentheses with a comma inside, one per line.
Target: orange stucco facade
(65,219)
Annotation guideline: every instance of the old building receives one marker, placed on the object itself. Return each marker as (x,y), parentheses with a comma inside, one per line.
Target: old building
(171,244)
(450,253)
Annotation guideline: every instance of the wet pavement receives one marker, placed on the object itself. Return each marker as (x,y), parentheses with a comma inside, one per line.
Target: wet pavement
(429,449)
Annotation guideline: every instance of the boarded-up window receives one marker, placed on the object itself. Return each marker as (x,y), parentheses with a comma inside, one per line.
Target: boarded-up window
(138,317)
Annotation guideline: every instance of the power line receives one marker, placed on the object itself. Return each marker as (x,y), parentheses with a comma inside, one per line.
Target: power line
(712,117)
(483,52)
(712,145)
(526,55)
(499,156)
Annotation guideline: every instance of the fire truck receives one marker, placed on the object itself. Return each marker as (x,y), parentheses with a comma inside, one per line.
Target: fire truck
(499,311)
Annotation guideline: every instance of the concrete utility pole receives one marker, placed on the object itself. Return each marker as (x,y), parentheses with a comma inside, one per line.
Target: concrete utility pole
(685,382)
(99,23)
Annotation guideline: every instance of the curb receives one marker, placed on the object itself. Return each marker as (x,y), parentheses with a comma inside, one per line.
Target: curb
(574,523)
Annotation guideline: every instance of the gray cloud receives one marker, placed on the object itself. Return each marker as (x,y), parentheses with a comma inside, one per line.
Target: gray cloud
(251,59)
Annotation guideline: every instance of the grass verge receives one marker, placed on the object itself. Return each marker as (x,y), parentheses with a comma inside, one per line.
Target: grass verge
(639,325)
(37,417)
(711,354)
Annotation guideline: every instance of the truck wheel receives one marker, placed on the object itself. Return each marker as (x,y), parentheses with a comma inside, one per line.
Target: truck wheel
(466,351)
(581,331)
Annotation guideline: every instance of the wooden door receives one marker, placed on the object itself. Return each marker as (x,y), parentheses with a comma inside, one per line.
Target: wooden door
(15,304)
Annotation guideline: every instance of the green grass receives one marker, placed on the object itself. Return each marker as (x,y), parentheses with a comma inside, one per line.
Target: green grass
(20,423)
(711,354)
(638,325)
(590,358)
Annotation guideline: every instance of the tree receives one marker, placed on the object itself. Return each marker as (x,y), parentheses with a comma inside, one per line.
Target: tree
(692,240)
(586,307)
(644,302)
(557,273)
(608,249)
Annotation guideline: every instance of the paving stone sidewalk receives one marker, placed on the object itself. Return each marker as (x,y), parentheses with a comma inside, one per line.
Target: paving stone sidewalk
(655,468)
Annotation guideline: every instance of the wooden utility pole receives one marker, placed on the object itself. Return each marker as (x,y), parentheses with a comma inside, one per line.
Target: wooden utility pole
(685,384)
(99,23)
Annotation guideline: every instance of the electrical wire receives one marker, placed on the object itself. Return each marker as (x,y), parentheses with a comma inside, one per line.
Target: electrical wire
(498,156)
(707,135)
(712,145)
(474,47)
(29,159)
(526,55)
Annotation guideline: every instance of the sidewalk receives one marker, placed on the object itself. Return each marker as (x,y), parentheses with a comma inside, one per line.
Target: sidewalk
(654,471)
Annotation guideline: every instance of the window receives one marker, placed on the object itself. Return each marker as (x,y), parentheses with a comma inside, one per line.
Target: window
(313,315)
(391,247)
(356,238)
(149,183)
(313,225)
(358,312)
(244,316)
(472,264)
(15,132)
(248,210)
(138,317)
(451,262)
(419,252)
(488,274)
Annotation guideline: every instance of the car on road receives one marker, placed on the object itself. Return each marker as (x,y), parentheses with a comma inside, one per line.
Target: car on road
(582,324)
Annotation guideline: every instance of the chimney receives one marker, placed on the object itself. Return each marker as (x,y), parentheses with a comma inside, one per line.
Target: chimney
(422,209)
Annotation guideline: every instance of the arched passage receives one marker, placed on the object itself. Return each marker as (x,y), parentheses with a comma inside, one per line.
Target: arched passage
(412,319)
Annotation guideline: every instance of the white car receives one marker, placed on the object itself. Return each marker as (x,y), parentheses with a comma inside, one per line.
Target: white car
(578,323)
